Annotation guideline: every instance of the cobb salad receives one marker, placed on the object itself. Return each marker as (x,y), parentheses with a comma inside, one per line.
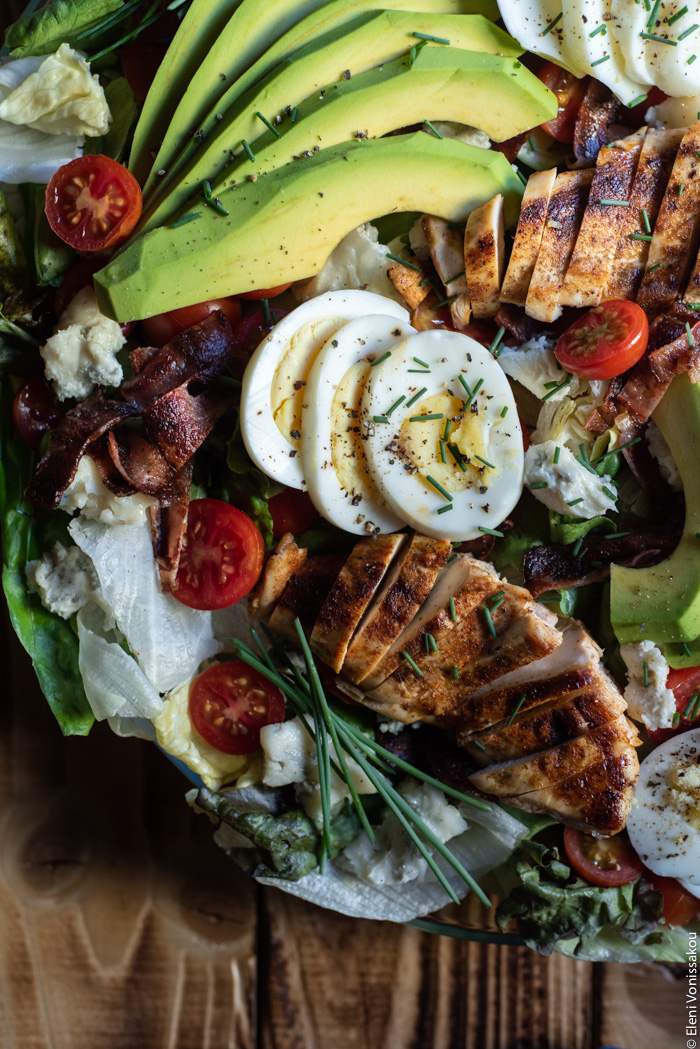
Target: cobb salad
(349,437)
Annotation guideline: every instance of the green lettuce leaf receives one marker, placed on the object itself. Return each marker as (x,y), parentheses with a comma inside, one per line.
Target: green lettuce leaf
(285,845)
(13,264)
(61,21)
(124,109)
(49,640)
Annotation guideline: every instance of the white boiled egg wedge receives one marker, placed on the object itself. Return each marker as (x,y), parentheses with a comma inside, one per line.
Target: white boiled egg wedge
(664,820)
(443,439)
(332,447)
(538,26)
(273,384)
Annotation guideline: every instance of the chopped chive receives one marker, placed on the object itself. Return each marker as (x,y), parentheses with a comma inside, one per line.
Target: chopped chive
(640,236)
(412,664)
(693,305)
(248,150)
(485,462)
(556,389)
(439,487)
(404,262)
(467,387)
(685,648)
(293,117)
(511,719)
(520,175)
(557,453)
(688,31)
(538,484)
(378,360)
(267,319)
(497,597)
(681,187)
(614,451)
(490,531)
(531,143)
(599,61)
(645,667)
(577,547)
(504,412)
(675,719)
(453,614)
(211,200)
(551,385)
(433,129)
(656,39)
(455,672)
(691,704)
(651,20)
(689,334)
(446,431)
(444,302)
(550,25)
(494,347)
(610,494)
(575,502)
(433,39)
(691,60)
(621,535)
(409,404)
(636,101)
(422,363)
(645,221)
(478,385)
(430,643)
(426,280)
(496,604)
(419,371)
(479,744)
(396,403)
(425,418)
(619,203)
(457,456)
(186,218)
(696,707)
(380,419)
(268,125)
(598,29)
(443,453)
(444,509)
(653,269)
(456,277)
(489,621)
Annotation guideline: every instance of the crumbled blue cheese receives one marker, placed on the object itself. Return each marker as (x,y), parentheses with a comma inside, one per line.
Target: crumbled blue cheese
(87,494)
(359,261)
(560,484)
(83,351)
(289,757)
(652,703)
(63,578)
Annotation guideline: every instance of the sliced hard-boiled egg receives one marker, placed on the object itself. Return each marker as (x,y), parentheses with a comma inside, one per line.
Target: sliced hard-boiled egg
(443,438)
(594,48)
(659,46)
(332,447)
(273,384)
(538,26)
(664,819)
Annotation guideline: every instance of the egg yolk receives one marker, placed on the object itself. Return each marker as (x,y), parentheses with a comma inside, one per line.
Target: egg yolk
(419,444)
(289,381)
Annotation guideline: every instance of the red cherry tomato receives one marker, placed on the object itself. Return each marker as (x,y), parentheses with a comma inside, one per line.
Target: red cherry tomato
(605,341)
(164,326)
(680,906)
(292,511)
(222,556)
(140,61)
(635,116)
(569,91)
(264,293)
(526,434)
(602,861)
(250,332)
(93,203)
(684,684)
(34,411)
(229,703)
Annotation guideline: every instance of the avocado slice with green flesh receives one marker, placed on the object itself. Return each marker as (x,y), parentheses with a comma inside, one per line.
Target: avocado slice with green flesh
(498,95)
(195,35)
(662,602)
(178,135)
(284,226)
(368,41)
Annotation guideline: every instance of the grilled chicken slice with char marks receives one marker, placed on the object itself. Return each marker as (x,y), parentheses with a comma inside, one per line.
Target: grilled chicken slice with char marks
(404,589)
(410,283)
(284,562)
(351,594)
(446,251)
(484,257)
(304,595)
(528,236)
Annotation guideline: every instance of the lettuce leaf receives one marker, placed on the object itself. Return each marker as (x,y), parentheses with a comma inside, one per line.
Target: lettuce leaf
(61,21)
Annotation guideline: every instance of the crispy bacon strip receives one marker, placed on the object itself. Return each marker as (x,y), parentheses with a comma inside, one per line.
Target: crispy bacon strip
(111,477)
(178,422)
(681,355)
(140,464)
(598,111)
(168,524)
(74,433)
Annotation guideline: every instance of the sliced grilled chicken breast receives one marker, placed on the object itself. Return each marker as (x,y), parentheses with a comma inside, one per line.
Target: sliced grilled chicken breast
(538,771)
(404,589)
(484,256)
(677,230)
(590,264)
(284,561)
(651,178)
(350,595)
(566,206)
(528,236)
(304,595)
(446,251)
(410,284)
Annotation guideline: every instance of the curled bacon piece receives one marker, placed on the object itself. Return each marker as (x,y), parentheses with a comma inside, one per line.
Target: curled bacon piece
(74,433)
(168,524)
(111,477)
(178,422)
(598,111)
(675,358)
(140,464)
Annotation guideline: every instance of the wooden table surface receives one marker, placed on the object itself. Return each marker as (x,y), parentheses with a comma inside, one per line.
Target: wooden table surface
(123,926)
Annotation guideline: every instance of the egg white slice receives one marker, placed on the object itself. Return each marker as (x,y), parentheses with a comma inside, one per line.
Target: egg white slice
(594,48)
(664,821)
(485,435)
(273,384)
(332,448)
(671,67)
(527,21)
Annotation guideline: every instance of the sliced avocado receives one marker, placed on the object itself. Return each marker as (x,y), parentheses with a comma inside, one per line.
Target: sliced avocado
(330,16)
(284,226)
(497,95)
(368,41)
(196,33)
(662,602)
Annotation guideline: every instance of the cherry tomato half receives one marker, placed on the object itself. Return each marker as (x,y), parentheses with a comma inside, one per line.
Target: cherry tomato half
(264,293)
(93,203)
(684,684)
(680,906)
(602,861)
(569,91)
(34,411)
(292,511)
(605,341)
(250,332)
(229,703)
(222,556)
(164,326)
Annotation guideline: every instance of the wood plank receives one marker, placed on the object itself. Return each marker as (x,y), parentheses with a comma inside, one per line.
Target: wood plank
(644,1006)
